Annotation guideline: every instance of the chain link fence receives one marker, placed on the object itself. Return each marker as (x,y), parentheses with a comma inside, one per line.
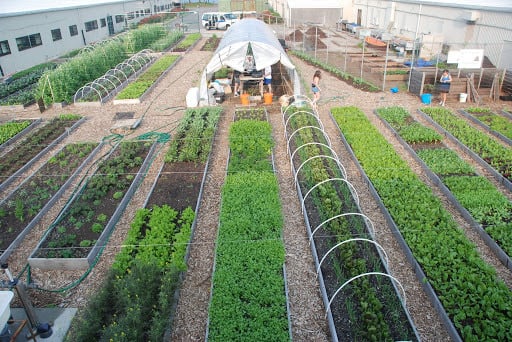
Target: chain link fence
(388,61)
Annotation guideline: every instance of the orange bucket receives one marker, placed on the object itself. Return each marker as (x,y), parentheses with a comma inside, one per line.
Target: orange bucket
(267,98)
(245,99)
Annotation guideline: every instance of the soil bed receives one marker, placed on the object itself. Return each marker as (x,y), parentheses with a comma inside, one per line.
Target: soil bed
(178,185)
(24,204)
(32,145)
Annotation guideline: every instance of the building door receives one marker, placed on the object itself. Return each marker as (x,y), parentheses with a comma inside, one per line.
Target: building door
(359,16)
(110,25)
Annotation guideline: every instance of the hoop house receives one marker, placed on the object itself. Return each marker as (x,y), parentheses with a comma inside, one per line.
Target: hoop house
(253,34)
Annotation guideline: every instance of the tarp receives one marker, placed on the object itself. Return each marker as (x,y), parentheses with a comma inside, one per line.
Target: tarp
(233,47)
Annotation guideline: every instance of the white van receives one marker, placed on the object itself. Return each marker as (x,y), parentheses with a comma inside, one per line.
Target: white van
(218,20)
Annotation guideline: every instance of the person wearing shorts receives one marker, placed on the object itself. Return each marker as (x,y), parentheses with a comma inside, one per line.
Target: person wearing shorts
(315,88)
(267,79)
(444,85)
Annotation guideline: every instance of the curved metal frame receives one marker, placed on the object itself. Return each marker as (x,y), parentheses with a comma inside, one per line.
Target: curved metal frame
(328,180)
(372,233)
(350,240)
(362,275)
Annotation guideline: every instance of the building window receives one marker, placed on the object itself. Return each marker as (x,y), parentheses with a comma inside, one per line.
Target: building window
(103,22)
(73,30)
(4,48)
(119,19)
(56,34)
(27,42)
(91,25)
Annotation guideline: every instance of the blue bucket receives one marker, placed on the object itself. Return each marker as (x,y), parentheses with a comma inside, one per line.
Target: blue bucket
(394,90)
(426,98)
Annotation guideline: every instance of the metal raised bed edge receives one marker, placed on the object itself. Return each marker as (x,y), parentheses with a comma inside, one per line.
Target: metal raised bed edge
(39,155)
(487,128)
(82,263)
(502,256)
(5,255)
(420,275)
(323,290)
(505,182)
(286,291)
(21,134)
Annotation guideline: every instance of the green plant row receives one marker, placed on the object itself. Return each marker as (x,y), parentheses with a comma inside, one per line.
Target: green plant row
(11,128)
(135,302)
(494,121)
(476,300)
(86,217)
(60,84)
(137,88)
(189,40)
(490,150)
(370,309)
(489,207)
(21,88)
(166,41)
(35,143)
(335,71)
(30,197)
(248,300)
(192,141)
(410,130)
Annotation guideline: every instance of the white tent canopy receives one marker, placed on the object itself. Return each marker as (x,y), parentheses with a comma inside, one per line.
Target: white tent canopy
(233,47)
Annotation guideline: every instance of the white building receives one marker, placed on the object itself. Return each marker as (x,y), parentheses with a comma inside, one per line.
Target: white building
(36,31)
(442,27)
(439,26)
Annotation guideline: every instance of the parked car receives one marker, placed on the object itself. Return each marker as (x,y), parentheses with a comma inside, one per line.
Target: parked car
(218,20)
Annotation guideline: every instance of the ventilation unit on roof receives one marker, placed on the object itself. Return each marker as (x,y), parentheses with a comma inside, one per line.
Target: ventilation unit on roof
(471,16)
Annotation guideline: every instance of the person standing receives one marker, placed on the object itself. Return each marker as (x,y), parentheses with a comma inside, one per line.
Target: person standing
(267,79)
(315,88)
(444,86)
(236,79)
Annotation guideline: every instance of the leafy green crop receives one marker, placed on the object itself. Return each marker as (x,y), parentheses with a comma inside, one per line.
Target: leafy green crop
(476,300)
(9,129)
(137,88)
(248,299)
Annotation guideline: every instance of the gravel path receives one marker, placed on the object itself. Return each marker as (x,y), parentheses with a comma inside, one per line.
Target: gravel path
(161,112)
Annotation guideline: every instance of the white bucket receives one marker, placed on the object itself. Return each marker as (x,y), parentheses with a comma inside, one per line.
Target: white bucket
(192,97)
(463,97)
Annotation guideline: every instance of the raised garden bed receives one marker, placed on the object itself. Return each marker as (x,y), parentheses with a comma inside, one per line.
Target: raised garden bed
(487,209)
(448,266)
(188,43)
(495,124)
(25,206)
(84,225)
(138,89)
(363,300)
(34,146)
(167,223)
(485,149)
(248,288)
(12,131)
(182,175)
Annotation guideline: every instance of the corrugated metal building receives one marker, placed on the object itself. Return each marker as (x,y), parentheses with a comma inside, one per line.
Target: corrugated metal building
(36,31)
(242,5)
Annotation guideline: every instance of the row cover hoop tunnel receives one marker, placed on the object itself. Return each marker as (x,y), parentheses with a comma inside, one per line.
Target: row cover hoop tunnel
(115,77)
(303,101)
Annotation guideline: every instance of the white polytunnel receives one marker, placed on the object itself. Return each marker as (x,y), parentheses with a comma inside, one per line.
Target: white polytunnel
(233,47)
